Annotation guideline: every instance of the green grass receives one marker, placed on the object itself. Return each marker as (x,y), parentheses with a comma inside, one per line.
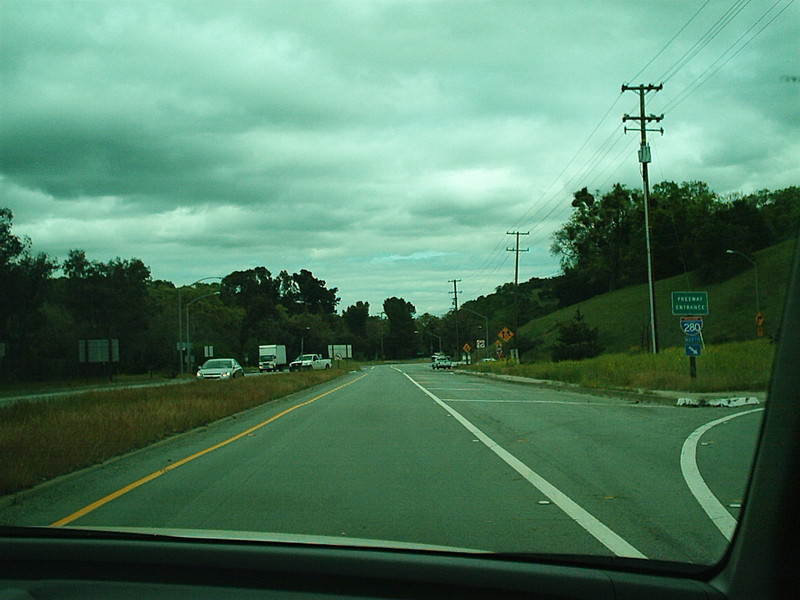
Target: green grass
(623,316)
(42,440)
(737,366)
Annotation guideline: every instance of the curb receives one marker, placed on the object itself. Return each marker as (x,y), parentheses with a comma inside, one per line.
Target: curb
(664,397)
(726,402)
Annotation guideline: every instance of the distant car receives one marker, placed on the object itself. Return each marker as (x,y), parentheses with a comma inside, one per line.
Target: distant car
(488,360)
(220,368)
(442,362)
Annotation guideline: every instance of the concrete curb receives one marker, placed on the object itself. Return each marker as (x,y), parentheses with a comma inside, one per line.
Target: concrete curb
(668,397)
(726,402)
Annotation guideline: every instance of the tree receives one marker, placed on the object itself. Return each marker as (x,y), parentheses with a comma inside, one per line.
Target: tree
(258,294)
(781,211)
(24,280)
(401,338)
(312,295)
(109,301)
(576,340)
(355,318)
(596,243)
(244,288)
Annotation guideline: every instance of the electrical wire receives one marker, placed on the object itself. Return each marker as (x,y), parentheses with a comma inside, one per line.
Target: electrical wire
(547,205)
(712,69)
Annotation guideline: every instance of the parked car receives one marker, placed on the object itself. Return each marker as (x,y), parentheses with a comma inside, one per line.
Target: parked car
(220,368)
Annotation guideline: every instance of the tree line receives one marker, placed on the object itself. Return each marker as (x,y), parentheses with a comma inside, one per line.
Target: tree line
(602,245)
(47,306)
(601,248)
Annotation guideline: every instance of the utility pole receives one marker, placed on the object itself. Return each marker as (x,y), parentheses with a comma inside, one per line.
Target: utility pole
(455,304)
(516,252)
(644,159)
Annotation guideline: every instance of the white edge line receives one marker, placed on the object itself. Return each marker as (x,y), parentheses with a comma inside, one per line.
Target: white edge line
(594,527)
(718,514)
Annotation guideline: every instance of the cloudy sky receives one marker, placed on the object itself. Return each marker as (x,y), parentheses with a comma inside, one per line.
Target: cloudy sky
(387,146)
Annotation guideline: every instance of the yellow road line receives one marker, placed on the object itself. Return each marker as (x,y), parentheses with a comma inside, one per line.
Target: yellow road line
(132,486)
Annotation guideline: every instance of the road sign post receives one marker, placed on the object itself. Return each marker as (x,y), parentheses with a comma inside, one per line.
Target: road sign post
(692,327)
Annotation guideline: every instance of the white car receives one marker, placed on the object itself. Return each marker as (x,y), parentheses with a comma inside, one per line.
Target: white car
(442,362)
(220,368)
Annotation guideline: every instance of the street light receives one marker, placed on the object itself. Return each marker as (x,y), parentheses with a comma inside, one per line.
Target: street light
(433,335)
(381,315)
(180,317)
(486,323)
(755,266)
(187,315)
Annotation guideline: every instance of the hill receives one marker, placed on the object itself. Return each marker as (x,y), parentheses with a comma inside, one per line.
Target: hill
(623,316)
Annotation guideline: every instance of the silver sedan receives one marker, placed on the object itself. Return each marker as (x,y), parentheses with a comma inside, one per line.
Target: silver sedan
(220,368)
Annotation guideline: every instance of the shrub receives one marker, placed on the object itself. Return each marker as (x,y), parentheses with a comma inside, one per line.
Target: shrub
(576,340)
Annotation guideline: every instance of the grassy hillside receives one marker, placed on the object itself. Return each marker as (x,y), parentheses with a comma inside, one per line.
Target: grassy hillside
(623,316)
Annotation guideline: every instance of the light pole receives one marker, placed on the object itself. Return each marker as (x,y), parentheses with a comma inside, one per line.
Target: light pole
(755,267)
(381,315)
(486,323)
(187,315)
(303,340)
(433,335)
(180,318)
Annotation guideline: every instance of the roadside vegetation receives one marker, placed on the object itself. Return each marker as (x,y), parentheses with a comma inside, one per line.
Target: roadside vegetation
(50,306)
(42,440)
(736,366)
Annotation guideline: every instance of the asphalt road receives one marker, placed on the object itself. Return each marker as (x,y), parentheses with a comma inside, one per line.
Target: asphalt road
(408,454)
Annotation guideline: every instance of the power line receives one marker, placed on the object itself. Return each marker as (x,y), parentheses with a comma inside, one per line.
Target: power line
(712,32)
(548,204)
(672,39)
(711,70)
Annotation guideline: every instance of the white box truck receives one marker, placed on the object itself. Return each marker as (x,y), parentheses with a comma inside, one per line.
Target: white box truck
(271,357)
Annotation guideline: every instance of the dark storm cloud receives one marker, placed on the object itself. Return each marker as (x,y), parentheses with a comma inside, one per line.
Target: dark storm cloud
(379,144)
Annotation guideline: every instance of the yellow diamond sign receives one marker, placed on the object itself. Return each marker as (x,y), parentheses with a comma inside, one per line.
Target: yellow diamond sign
(506,334)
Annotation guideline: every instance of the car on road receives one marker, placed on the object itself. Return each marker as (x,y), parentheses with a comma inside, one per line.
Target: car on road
(220,368)
(309,362)
(441,362)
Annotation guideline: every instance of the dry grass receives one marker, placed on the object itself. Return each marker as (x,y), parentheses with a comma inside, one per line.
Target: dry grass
(41,440)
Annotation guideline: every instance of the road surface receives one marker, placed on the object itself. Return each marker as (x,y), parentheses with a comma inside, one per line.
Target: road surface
(407,454)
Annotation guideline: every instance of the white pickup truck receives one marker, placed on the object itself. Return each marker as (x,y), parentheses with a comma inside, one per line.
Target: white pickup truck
(308,362)
(441,362)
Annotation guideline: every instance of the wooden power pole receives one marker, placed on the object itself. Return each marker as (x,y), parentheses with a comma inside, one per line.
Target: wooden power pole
(644,159)
(516,252)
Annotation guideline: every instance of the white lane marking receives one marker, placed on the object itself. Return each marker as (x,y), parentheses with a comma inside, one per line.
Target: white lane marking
(718,514)
(600,532)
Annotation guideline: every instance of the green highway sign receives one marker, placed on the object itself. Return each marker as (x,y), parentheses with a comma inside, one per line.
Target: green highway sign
(689,303)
